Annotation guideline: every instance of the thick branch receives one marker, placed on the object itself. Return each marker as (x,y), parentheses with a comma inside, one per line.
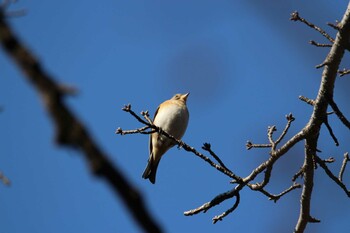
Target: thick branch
(70,131)
(312,129)
(308,171)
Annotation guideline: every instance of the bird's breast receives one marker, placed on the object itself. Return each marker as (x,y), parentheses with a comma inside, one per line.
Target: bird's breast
(173,119)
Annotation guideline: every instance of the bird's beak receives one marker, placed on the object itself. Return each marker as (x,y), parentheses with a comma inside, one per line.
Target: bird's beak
(184,96)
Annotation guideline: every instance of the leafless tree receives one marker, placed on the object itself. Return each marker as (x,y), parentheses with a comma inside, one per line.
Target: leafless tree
(309,134)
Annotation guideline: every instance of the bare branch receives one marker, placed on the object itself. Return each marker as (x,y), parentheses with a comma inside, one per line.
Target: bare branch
(70,131)
(276,197)
(249,145)
(270,131)
(308,175)
(298,174)
(334,26)
(227,212)
(322,65)
(343,72)
(290,118)
(331,175)
(331,131)
(207,147)
(135,131)
(343,166)
(215,201)
(312,42)
(296,17)
(338,112)
(307,100)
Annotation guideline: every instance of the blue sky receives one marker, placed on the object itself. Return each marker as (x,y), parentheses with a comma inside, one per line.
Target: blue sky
(245,65)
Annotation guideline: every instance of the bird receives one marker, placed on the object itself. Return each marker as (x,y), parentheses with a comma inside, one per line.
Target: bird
(172,117)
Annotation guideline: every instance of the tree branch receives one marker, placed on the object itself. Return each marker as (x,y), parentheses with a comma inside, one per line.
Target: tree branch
(312,129)
(70,131)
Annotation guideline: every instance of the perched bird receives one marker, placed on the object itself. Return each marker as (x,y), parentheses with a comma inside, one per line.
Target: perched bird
(172,117)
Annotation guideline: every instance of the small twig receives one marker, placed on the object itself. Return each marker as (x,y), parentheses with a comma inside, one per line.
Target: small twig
(249,145)
(215,201)
(298,174)
(134,131)
(270,131)
(331,175)
(296,17)
(276,197)
(338,112)
(334,26)
(330,130)
(227,212)
(145,114)
(343,166)
(329,160)
(312,42)
(261,185)
(290,118)
(321,65)
(313,220)
(207,147)
(311,102)
(307,100)
(343,72)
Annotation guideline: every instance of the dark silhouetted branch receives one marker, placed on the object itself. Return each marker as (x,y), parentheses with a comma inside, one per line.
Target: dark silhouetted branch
(70,131)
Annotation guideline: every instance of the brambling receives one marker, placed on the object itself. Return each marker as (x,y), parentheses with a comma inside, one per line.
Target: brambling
(172,117)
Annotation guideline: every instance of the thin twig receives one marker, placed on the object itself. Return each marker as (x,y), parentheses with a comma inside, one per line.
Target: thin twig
(135,131)
(296,17)
(338,112)
(343,166)
(270,131)
(298,174)
(331,175)
(307,100)
(312,42)
(330,130)
(334,26)
(249,145)
(343,72)
(207,147)
(290,118)
(276,197)
(215,201)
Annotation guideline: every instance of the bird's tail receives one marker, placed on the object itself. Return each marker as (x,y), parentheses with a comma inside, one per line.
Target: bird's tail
(151,170)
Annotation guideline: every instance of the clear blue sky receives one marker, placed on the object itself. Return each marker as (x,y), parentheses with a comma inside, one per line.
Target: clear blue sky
(245,65)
